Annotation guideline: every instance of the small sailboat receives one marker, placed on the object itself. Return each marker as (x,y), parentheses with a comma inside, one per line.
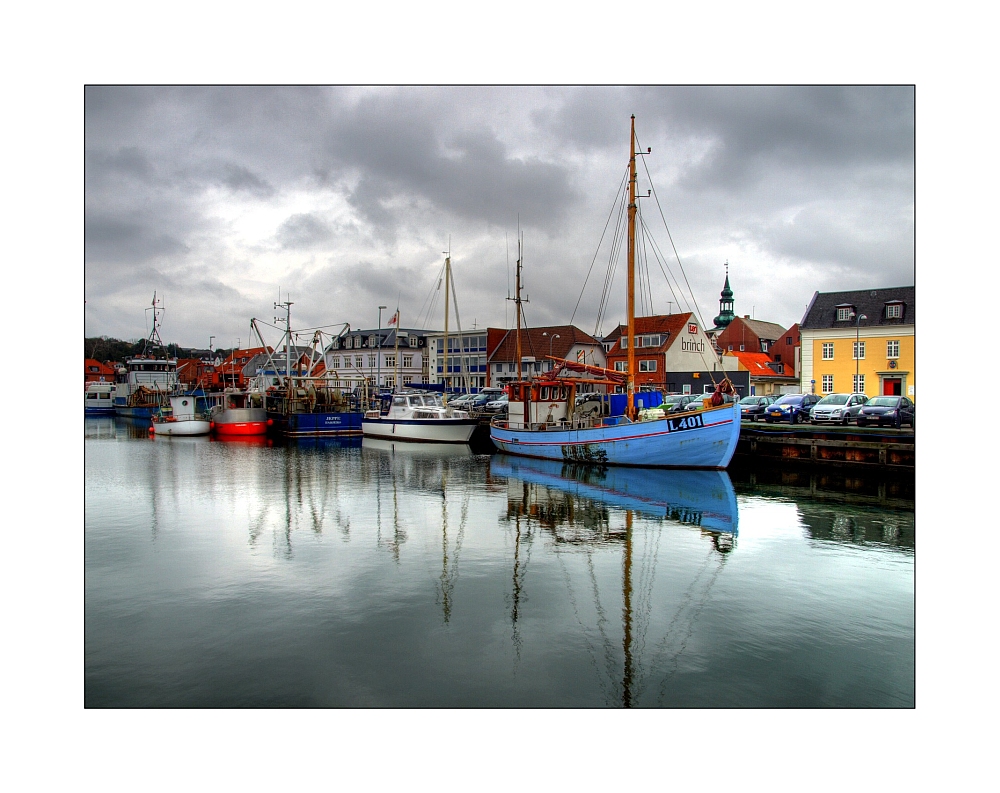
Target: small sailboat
(546,418)
(181,418)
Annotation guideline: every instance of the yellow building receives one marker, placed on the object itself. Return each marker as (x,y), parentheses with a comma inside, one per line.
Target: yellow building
(860,341)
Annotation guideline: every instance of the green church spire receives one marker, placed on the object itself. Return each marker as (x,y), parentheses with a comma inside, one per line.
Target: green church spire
(726,313)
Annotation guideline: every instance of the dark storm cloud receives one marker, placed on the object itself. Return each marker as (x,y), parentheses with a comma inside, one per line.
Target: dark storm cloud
(303,230)
(406,148)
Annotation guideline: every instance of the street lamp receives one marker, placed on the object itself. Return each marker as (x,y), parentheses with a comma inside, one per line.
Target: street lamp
(378,377)
(551,339)
(857,348)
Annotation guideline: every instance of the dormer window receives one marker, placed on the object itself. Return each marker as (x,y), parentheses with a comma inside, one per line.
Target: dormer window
(844,313)
(893,310)
(371,341)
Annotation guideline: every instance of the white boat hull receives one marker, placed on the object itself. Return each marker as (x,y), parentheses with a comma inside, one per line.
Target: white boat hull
(425,430)
(188,427)
(705,439)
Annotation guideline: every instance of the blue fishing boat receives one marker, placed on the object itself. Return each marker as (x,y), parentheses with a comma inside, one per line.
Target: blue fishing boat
(550,418)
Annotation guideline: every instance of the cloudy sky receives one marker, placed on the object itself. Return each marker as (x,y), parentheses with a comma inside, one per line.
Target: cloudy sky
(345,199)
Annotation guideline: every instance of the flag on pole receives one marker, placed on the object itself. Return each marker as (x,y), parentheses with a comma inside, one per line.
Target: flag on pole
(395,318)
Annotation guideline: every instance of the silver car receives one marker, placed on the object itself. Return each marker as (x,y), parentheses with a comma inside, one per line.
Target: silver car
(837,409)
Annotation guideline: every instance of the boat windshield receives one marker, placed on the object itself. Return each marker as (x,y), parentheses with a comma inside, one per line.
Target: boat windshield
(399,401)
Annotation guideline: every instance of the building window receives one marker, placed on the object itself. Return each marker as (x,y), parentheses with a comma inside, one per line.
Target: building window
(623,342)
(828,351)
(777,358)
(511,367)
(371,361)
(407,361)
(647,366)
(371,341)
(390,361)
(742,348)
(730,348)
(407,379)
(859,384)
(763,346)
(828,384)
(859,350)
(390,382)
(335,363)
(788,340)
(686,388)
(893,310)
(620,366)
(844,313)
(892,349)
(359,361)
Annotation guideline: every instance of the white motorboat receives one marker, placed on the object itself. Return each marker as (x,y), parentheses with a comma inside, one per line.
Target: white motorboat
(181,419)
(419,416)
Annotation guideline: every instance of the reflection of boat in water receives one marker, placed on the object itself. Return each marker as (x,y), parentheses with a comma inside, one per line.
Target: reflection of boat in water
(417,449)
(700,498)
(588,511)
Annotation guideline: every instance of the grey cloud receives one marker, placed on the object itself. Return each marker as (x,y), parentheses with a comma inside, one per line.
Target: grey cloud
(303,230)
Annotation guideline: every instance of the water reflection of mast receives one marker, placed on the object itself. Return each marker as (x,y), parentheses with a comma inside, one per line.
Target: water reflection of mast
(627,612)
(449,571)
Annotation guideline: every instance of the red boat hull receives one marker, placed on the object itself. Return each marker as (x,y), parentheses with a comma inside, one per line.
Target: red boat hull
(241,428)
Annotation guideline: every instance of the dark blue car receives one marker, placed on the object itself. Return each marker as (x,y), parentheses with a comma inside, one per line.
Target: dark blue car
(892,410)
(792,408)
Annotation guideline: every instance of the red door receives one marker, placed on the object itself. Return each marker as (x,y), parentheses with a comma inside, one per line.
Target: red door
(892,386)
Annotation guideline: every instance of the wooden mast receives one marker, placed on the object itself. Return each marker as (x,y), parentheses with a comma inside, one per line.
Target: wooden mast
(517,310)
(630,375)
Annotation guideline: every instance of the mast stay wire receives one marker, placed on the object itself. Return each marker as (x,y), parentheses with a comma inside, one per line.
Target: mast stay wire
(672,245)
(614,205)
(609,277)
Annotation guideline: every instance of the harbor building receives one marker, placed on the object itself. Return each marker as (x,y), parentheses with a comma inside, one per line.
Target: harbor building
(673,354)
(466,359)
(537,344)
(381,356)
(860,341)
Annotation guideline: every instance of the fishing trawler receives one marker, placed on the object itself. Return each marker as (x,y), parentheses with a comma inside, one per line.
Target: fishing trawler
(545,418)
(145,383)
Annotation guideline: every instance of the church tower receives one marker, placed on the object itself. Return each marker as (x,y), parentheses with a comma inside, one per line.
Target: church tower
(726,313)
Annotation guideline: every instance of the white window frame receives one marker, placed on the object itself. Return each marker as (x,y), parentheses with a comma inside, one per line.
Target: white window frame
(623,342)
(893,310)
(620,366)
(827,348)
(892,348)
(859,347)
(647,366)
(827,384)
(407,361)
(844,313)
(390,360)
(686,388)
(859,383)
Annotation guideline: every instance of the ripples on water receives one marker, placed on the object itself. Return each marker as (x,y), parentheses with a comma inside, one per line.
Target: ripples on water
(342,573)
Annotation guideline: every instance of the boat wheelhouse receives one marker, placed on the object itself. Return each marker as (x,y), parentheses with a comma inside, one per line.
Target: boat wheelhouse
(419,416)
(98,399)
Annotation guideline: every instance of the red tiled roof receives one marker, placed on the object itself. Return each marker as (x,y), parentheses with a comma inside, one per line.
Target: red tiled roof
(533,343)
(756,363)
(670,324)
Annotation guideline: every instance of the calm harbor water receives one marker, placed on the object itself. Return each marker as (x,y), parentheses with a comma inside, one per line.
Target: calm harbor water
(350,573)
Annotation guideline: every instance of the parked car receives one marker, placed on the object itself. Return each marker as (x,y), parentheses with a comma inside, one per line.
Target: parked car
(461,401)
(675,403)
(792,408)
(837,408)
(892,410)
(753,407)
(496,406)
